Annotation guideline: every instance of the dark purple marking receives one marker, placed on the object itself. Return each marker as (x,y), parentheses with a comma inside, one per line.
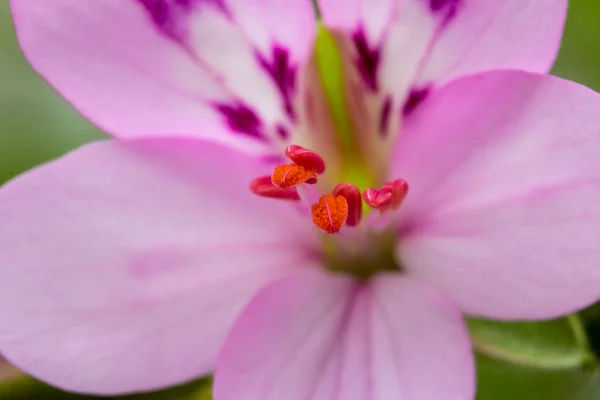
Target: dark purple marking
(416,97)
(447,7)
(384,117)
(284,75)
(158,10)
(282,132)
(368,59)
(242,119)
(167,13)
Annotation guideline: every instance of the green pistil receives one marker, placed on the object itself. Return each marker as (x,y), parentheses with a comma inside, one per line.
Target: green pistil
(330,66)
(374,253)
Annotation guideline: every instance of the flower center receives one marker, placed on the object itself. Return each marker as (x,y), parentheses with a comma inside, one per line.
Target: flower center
(330,211)
(342,117)
(365,246)
(363,258)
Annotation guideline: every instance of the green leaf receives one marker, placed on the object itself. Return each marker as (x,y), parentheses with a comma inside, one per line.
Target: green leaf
(556,344)
(28,388)
(499,380)
(547,360)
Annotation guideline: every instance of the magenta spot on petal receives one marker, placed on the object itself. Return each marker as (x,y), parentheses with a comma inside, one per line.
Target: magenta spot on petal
(367,61)
(283,73)
(447,8)
(167,14)
(159,11)
(241,119)
(283,132)
(415,98)
(384,118)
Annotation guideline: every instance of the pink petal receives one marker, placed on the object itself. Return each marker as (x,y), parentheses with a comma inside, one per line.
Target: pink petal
(387,40)
(503,211)
(172,68)
(389,36)
(124,264)
(321,337)
(484,35)
(414,44)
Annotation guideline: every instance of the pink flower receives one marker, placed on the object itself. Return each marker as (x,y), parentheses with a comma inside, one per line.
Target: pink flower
(146,261)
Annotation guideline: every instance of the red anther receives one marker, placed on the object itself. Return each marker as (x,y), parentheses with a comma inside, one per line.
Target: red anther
(390,196)
(377,198)
(330,213)
(306,158)
(354,199)
(264,187)
(287,176)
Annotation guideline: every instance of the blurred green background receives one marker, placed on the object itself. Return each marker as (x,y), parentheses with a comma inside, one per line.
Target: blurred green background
(36,125)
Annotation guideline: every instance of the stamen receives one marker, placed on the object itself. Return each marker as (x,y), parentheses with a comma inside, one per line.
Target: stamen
(287,176)
(265,188)
(330,213)
(390,196)
(354,199)
(306,158)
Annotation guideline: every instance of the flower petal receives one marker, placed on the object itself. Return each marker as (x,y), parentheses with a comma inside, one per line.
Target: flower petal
(321,337)
(124,264)
(210,69)
(503,212)
(481,35)
(410,45)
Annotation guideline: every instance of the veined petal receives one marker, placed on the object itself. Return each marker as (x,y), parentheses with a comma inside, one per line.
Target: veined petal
(223,70)
(123,264)
(412,45)
(390,37)
(321,337)
(484,35)
(503,212)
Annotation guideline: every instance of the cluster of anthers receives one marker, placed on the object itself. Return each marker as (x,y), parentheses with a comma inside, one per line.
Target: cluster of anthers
(343,206)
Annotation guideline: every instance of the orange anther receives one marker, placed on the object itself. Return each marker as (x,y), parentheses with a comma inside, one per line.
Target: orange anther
(287,176)
(330,213)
